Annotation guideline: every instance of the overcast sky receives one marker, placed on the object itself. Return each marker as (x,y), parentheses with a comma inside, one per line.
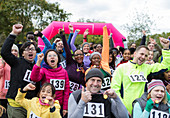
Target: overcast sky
(117,11)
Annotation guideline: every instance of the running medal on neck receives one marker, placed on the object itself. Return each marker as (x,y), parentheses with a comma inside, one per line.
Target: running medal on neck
(105,96)
(94,66)
(46,101)
(156,101)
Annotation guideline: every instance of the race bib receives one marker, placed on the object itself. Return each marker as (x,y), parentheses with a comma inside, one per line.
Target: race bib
(6,84)
(33,115)
(159,114)
(59,84)
(94,110)
(74,86)
(138,78)
(106,82)
(63,64)
(27,77)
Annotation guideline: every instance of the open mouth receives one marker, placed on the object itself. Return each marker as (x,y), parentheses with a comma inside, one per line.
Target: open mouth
(52,61)
(30,55)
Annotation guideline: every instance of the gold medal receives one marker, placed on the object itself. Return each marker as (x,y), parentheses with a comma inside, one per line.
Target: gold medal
(78,70)
(156,101)
(105,96)
(46,101)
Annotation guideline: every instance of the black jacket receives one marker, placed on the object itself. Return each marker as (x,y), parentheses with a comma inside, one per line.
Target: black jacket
(20,70)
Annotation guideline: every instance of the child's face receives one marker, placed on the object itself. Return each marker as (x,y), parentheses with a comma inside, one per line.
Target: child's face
(167,75)
(126,55)
(150,56)
(45,91)
(52,59)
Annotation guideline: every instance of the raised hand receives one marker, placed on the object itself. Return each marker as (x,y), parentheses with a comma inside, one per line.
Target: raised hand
(144,32)
(40,58)
(16,29)
(71,28)
(38,33)
(29,86)
(85,95)
(164,42)
(149,105)
(86,33)
(111,93)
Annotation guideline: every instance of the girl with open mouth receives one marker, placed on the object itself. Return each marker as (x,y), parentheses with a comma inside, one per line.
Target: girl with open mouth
(152,104)
(52,72)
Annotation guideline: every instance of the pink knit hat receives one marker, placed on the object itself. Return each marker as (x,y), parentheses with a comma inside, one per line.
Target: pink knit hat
(155,83)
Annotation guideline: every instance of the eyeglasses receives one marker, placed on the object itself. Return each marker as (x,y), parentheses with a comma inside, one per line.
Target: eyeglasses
(78,54)
(52,55)
(29,49)
(30,38)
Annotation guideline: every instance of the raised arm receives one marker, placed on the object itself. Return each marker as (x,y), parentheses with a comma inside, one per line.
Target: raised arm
(66,47)
(143,41)
(6,48)
(105,51)
(73,47)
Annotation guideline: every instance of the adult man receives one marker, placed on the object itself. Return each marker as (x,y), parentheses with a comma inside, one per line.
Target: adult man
(20,71)
(89,102)
(132,75)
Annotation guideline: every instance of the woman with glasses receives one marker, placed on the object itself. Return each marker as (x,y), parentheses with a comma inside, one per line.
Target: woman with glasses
(75,67)
(52,72)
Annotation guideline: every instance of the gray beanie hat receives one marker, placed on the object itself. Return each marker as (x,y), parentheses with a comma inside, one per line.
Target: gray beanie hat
(85,44)
(94,54)
(94,72)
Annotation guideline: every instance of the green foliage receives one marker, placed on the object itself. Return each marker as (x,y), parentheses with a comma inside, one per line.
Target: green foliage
(29,12)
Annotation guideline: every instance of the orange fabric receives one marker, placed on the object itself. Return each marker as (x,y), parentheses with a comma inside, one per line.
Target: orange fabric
(105,52)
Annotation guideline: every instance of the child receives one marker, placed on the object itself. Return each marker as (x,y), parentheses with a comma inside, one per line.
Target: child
(126,56)
(152,104)
(52,72)
(36,107)
(150,58)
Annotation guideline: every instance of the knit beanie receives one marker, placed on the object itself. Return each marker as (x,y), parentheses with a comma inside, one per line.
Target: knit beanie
(155,83)
(94,72)
(85,44)
(15,47)
(94,54)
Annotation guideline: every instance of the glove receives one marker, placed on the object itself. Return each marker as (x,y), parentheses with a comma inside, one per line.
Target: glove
(149,105)
(39,34)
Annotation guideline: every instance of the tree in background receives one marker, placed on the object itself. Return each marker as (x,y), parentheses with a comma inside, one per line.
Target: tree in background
(32,14)
(139,21)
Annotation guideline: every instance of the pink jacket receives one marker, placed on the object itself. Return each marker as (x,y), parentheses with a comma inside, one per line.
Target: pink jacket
(4,78)
(57,77)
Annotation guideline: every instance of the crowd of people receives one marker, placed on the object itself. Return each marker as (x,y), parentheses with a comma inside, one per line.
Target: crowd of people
(95,80)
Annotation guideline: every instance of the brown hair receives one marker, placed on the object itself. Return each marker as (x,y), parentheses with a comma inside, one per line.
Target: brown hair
(142,46)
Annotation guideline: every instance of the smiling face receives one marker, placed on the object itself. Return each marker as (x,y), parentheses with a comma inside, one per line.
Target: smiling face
(99,48)
(14,52)
(140,56)
(52,59)
(45,91)
(94,84)
(110,58)
(95,60)
(158,93)
(126,55)
(151,46)
(167,75)
(150,55)
(59,46)
(29,53)
(86,48)
(78,56)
